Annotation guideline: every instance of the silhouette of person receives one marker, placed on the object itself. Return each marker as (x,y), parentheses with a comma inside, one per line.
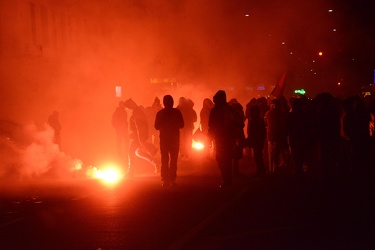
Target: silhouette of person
(169,121)
(300,134)
(285,151)
(248,149)
(151,114)
(250,104)
(327,125)
(275,120)
(204,116)
(357,127)
(264,107)
(53,121)
(190,117)
(138,137)
(256,131)
(240,142)
(121,126)
(223,126)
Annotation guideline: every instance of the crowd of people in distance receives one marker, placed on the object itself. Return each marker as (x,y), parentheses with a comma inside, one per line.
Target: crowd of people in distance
(324,135)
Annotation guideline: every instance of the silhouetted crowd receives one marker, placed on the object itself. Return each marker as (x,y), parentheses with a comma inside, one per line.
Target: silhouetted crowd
(323,136)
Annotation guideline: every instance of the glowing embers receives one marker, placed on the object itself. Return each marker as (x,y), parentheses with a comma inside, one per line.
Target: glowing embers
(110,174)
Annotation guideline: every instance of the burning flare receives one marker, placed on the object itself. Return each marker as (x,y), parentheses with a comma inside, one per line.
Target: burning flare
(109,175)
(197,145)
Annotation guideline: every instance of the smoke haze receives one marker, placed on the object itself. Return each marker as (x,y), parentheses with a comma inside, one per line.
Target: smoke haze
(31,153)
(70,55)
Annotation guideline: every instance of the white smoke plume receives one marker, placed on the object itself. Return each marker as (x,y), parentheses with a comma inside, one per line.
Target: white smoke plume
(31,153)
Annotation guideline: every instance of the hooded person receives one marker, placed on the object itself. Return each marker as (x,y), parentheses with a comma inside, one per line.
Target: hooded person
(205,114)
(240,141)
(223,126)
(169,121)
(200,135)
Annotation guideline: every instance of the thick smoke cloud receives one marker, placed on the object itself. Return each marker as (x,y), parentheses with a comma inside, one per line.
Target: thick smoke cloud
(29,153)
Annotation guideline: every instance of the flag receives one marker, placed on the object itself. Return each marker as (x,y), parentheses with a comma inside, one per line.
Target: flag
(278,91)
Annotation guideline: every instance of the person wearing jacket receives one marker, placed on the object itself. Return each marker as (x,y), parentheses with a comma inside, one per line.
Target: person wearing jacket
(169,121)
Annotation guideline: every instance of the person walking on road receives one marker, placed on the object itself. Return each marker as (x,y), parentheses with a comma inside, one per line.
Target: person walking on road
(169,121)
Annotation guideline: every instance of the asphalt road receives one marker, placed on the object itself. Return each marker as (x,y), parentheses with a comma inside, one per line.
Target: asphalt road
(276,212)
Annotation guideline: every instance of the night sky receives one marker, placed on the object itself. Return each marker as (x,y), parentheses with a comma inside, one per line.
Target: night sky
(252,42)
